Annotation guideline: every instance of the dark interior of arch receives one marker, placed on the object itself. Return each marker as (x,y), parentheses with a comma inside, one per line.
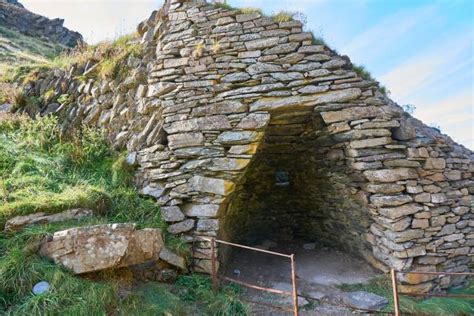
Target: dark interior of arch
(295,191)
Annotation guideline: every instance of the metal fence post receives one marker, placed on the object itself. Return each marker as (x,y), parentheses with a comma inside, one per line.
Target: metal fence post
(215,285)
(396,304)
(295,289)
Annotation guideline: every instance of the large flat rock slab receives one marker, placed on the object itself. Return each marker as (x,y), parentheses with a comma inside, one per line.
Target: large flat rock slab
(94,248)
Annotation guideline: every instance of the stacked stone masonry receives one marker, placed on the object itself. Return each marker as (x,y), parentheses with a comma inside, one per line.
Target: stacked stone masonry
(221,97)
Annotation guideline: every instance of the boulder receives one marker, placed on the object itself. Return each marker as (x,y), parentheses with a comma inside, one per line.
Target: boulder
(94,248)
(19,222)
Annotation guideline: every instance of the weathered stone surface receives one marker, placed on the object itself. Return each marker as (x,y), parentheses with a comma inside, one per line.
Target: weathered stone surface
(173,259)
(19,222)
(217,122)
(226,107)
(262,43)
(435,163)
(227,164)
(160,88)
(171,214)
(201,210)
(390,200)
(207,225)
(405,131)
(387,188)
(406,235)
(255,121)
(397,212)
(390,175)
(211,185)
(237,138)
(153,191)
(185,140)
(94,248)
(371,142)
(260,68)
(236,77)
(273,104)
(181,227)
(351,114)
(366,300)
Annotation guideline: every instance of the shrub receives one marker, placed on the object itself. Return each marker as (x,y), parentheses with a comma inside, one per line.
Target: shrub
(362,72)
(283,16)
(249,10)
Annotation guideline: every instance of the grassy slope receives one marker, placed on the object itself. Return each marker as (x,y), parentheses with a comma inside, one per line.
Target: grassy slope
(40,172)
(18,49)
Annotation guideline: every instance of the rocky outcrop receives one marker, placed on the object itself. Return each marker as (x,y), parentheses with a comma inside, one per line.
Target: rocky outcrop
(14,15)
(95,248)
(17,223)
(223,103)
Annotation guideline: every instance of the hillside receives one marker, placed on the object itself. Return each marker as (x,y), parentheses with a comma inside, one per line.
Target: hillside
(30,39)
(17,49)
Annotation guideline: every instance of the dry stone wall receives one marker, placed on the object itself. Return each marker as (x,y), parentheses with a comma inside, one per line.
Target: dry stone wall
(222,97)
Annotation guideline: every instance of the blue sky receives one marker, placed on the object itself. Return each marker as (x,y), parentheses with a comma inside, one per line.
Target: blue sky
(422,51)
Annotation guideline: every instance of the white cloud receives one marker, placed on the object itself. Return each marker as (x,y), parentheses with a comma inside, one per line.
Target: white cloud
(454,114)
(381,36)
(96,20)
(428,67)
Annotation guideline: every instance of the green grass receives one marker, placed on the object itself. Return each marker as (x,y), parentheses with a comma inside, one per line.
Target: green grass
(198,289)
(111,56)
(424,307)
(362,72)
(42,170)
(23,51)
(249,10)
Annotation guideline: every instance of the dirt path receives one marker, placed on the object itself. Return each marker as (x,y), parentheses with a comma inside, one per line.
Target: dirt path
(319,273)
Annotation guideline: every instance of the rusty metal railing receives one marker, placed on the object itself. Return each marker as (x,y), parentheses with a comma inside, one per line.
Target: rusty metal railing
(396,293)
(215,277)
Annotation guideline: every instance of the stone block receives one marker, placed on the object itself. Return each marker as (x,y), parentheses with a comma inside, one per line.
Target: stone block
(185,140)
(435,163)
(390,175)
(211,185)
(254,121)
(171,214)
(94,248)
(201,210)
(304,102)
(237,137)
(181,227)
(207,123)
(350,114)
(370,142)
(390,200)
(397,212)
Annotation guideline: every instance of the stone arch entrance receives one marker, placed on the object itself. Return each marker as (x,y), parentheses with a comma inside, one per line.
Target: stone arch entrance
(295,194)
